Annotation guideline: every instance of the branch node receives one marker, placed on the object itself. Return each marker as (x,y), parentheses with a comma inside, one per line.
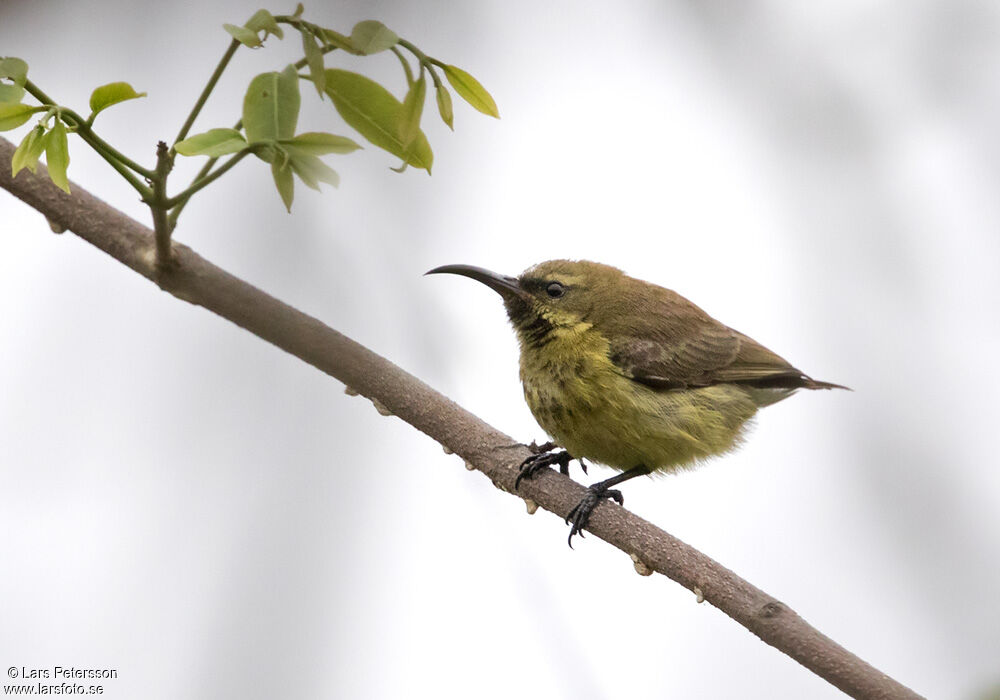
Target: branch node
(641,567)
(350,391)
(531,506)
(447,450)
(380,407)
(772,609)
(699,597)
(164,261)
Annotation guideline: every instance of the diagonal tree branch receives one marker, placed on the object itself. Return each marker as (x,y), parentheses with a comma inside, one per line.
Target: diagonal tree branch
(199,282)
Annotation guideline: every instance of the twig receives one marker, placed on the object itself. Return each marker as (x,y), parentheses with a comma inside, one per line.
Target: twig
(203,97)
(199,282)
(158,204)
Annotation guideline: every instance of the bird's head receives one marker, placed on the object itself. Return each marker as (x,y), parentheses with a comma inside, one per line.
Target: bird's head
(556,295)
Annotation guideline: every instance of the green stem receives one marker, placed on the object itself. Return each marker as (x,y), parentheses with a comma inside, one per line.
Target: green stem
(180,199)
(117,160)
(106,148)
(434,75)
(425,60)
(406,66)
(203,98)
(181,202)
(421,56)
(205,175)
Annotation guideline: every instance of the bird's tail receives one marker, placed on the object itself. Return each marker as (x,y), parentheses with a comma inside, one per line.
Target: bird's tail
(810,383)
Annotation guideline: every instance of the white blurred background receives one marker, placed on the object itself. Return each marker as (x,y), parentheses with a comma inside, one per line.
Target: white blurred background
(213,518)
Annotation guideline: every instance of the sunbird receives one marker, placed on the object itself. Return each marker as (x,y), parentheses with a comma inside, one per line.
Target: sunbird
(630,374)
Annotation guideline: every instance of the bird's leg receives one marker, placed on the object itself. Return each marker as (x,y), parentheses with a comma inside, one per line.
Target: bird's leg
(544,456)
(596,493)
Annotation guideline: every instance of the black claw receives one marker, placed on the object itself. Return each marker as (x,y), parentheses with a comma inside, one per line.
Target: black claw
(580,515)
(542,460)
(578,518)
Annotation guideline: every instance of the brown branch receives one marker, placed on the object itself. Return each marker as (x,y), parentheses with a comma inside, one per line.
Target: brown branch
(199,282)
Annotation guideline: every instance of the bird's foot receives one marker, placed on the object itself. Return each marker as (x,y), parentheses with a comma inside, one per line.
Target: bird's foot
(544,447)
(543,458)
(578,517)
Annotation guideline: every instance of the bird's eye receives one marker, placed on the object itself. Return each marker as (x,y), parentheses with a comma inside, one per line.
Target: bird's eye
(555,290)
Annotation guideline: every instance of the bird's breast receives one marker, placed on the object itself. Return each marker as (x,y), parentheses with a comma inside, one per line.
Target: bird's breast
(581,399)
(570,384)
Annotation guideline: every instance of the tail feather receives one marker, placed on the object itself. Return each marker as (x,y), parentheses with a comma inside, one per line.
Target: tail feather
(789,379)
(810,383)
(779,389)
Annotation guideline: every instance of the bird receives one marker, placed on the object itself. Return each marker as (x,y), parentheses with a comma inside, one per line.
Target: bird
(630,374)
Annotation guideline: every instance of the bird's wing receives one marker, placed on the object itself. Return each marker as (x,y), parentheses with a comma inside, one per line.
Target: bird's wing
(715,356)
(679,346)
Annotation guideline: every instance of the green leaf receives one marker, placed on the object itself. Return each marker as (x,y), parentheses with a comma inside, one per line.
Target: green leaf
(444,106)
(469,89)
(375,114)
(264,20)
(245,36)
(57,155)
(213,143)
(27,152)
(317,143)
(111,94)
(335,38)
(271,106)
(14,69)
(282,173)
(13,115)
(371,36)
(314,57)
(311,170)
(11,93)
(413,108)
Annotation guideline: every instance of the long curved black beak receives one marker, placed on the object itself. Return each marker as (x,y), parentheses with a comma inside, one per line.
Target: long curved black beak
(501,284)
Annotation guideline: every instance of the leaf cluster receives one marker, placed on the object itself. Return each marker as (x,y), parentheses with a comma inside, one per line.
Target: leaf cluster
(272,101)
(268,128)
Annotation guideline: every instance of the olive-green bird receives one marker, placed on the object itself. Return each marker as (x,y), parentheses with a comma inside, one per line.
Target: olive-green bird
(629,374)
